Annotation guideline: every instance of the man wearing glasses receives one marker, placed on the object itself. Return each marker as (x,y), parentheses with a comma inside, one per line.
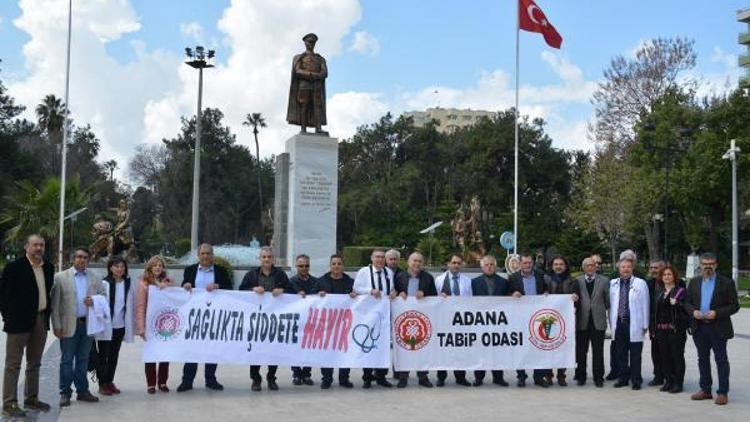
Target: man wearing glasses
(711,301)
(303,284)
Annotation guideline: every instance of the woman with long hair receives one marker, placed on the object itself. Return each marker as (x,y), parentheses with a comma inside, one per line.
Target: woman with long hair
(155,274)
(121,298)
(670,322)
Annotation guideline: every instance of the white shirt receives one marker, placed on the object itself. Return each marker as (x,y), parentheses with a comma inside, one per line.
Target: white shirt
(638,303)
(464,283)
(367,279)
(204,276)
(118,319)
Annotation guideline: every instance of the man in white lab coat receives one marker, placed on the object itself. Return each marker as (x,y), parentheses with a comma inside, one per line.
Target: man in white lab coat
(628,318)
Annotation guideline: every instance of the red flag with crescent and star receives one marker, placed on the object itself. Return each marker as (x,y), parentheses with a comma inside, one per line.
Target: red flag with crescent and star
(532,19)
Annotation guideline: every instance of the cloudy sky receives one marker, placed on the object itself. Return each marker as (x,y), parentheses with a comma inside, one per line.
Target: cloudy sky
(129,82)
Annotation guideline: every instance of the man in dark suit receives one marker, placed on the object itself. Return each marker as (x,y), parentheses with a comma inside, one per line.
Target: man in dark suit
(206,274)
(654,268)
(261,279)
(489,284)
(303,283)
(414,282)
(529,281)
(591,293)
(25,288)
(711,301)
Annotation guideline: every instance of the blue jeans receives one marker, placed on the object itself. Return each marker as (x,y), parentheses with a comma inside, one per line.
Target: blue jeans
(706,338)
(75,360)
(628,354)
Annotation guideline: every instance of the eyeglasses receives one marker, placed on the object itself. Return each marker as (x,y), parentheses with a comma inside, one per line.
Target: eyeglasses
(653,267)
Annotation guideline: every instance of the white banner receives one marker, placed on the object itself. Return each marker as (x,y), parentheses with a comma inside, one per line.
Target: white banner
(531,332)
(247,328)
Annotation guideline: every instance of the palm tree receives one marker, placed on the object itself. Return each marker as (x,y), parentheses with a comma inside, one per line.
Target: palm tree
(50,115)
(111,165)
(36,210)
(256,120)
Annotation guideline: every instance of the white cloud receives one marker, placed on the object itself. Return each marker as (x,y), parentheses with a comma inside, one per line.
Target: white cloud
(365,43)
(348,110)
(192,30)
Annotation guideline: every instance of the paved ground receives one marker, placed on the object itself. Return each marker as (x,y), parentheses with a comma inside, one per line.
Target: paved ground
(452,402)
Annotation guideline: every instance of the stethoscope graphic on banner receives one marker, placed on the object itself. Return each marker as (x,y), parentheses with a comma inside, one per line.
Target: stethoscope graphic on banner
(365,336)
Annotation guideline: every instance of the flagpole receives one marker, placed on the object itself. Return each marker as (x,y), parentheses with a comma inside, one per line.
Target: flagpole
(64,143)
(515,176)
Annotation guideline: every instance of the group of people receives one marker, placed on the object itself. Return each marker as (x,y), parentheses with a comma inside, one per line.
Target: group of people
(661,307)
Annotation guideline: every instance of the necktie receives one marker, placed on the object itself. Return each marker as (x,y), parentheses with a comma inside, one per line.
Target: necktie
(456,291)
(446,289)
(623,308)
(380,282)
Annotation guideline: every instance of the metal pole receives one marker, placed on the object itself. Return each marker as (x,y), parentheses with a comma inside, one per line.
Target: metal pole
(197,166)
(515,165)
(733,150)
(666,208)
(64,150)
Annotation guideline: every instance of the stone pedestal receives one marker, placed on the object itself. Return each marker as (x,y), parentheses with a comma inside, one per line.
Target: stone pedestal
(311,200)
(281,209)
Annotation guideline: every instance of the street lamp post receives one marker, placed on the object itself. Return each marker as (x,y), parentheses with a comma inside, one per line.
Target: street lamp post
(198,59)
(668,152)
(731,155)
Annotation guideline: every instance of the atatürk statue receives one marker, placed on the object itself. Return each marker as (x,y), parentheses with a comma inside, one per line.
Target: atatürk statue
(307,93)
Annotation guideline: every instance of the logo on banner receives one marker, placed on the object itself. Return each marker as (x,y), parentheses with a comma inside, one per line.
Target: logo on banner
(167,323)
(413,330)
(366,337)
(547,328)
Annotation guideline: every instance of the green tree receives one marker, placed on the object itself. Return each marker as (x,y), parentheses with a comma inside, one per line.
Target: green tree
(255,120)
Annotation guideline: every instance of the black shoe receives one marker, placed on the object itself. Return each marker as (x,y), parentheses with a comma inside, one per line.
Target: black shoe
(425,382)
(87,397)
(501,382)
(366,384)
(580,382)
(184,387)
(477,383)
(656,381)
(346,384)
(308,381)
(521,382)
(272,385)
(13,411)
(599,383)
(402,383)
(383,383)
(36,404)
(440,383)
(621,383)
(636,386)
(542,383)
(611,376)
(214,386)
(256,386)
(296,381)
(325,385)
(64,400)
(666,387)
(677,388)
(561,382)
(463,382)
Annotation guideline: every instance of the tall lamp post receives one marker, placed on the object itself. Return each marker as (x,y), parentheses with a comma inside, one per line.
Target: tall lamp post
(731,155)
(198,59)
(668,151)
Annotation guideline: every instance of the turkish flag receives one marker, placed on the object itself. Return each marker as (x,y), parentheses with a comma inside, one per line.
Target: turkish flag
(532,19)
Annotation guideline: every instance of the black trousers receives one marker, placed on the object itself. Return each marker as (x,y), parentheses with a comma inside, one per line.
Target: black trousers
(656,360)
(301,372)
(109,352)
(328,374)
(458,375)
(595,338)
(497,375)
(190,369)
(614,368)
(538,374)
(270,375)
(628,354)
(380,374)
(672,354)
(402,375)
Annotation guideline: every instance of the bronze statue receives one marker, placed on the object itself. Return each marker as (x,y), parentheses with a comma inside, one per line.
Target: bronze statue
(114,239)
(307,93)
(467,230)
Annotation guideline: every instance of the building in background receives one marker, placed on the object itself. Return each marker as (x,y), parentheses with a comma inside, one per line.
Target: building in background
(448,119)
(743,15)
